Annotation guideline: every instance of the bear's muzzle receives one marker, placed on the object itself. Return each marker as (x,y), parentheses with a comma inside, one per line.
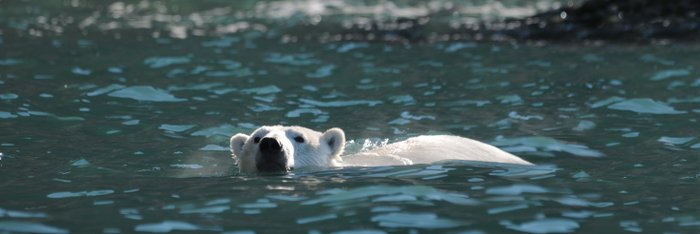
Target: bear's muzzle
(272,157)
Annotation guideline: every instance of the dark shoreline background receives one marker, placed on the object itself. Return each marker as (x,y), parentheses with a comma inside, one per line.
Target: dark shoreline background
(594,20)
(615,21)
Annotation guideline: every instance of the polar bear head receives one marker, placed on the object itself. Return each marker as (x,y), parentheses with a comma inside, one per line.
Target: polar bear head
(282,148)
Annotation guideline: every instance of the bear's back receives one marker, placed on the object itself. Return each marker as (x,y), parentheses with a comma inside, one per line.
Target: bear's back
(431,149)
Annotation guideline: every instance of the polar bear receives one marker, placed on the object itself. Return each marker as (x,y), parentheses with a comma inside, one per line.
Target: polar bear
(284,148)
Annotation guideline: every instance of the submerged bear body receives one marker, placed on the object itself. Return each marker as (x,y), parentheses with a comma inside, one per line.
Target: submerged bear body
(284,148)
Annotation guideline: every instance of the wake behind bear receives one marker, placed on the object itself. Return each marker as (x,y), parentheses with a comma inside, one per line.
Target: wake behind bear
(284,148)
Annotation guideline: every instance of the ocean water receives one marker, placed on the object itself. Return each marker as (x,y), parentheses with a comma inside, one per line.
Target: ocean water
(115,118)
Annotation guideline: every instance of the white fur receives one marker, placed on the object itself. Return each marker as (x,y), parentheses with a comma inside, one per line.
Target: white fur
(431,149)
(317,150)
(323,150)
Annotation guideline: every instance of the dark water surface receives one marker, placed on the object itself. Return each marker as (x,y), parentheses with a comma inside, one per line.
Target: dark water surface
(115,118)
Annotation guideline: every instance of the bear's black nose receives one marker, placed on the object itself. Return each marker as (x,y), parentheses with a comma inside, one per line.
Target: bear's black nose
(272,158)
(270,146)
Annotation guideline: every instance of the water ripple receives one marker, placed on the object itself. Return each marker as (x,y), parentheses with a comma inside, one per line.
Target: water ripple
(645,106)
(321,72)
(159,62)
(665,74)
(533,144)
(7,115)
(8,96)
(221,130)
(414,220)
(517,189)
(20,226)
(547,225)
(80,194)
(318,218)
(146,93)
(364,193)
(9,62)
(270,89)
(340,103)
(170,225)
(291,59)
(20,214)
(175,127)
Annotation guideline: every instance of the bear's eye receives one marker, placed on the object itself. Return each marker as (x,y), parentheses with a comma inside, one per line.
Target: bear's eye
(299,139)
(256,140)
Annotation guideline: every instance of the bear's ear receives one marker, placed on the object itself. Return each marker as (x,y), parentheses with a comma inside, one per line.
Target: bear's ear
(237,142)
(335,139)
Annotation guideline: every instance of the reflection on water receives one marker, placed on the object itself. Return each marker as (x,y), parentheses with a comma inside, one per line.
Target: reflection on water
(120,113)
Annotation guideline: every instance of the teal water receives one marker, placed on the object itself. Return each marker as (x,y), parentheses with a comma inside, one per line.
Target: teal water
(114,120)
